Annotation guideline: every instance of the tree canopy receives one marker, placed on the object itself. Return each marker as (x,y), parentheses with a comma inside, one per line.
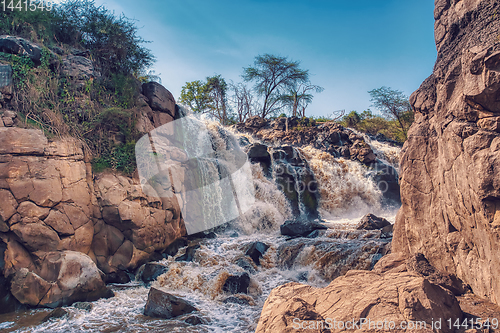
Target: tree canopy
(274,76)
(394,105)
(208,96)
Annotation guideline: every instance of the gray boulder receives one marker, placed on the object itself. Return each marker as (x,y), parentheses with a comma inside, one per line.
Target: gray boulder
(159,98)
(21,46)
(163,305)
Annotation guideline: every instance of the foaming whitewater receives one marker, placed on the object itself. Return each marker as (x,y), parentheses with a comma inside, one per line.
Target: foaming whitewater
(346,193)
(271,208)
(387,153)
(344,189)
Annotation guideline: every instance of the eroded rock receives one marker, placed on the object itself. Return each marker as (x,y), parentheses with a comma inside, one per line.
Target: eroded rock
(390,297)
(64,277)
(449,165)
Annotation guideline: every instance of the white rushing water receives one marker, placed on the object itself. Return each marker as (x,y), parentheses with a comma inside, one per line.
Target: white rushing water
(345,196)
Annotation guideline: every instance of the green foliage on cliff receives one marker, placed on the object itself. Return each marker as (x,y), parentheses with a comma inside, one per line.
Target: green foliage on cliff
(97,110)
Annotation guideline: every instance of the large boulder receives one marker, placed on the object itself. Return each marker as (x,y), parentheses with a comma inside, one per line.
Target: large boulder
(449,165)
(159,98)
(372,222)
(332,256)
(256,251)
(258,153)
(20,46)
(163,305)
(300,228)
(79,68)
(360,299)
(64,277)
(237,283)
(151,271)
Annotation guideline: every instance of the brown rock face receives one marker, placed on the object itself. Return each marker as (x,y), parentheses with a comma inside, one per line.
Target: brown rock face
(60,223)
(450,165)
(64,277)
(389,299)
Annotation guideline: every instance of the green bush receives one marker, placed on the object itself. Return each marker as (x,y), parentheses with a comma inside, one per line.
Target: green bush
(369,123)
(99,112)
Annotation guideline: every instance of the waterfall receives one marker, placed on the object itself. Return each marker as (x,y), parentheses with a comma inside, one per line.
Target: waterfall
(200,166)
(344,189)
(239,180)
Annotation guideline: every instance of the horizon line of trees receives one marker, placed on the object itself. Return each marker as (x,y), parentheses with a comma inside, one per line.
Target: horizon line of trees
(279,86)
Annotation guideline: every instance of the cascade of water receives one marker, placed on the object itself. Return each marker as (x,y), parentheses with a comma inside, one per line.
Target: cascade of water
(344,190)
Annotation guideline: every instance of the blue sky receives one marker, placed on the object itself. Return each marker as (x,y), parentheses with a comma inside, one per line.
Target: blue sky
(349,47)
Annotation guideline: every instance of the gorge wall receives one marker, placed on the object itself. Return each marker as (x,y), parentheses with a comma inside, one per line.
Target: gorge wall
(450,164)
(60,222)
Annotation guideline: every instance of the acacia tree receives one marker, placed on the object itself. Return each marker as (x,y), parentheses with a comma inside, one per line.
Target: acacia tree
(273,76)
(394,105)
(299,97)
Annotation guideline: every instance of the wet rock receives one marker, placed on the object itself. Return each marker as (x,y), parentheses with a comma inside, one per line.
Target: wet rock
(55,314)
(189,254)
(87,306)
(237,283)
(239,299)
(396,297)
(151,271)
(315,234)
(295,179)
(258,153)
(163,305)
(332,257)
(246,265)
(195,320)
(173,248)
(387,180)
(256,251)
(300,228)
(372,222)
(120,277)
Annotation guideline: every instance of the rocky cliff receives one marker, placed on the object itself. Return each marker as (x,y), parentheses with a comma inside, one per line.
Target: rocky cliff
(450,167)
(64,230)
(449,222)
